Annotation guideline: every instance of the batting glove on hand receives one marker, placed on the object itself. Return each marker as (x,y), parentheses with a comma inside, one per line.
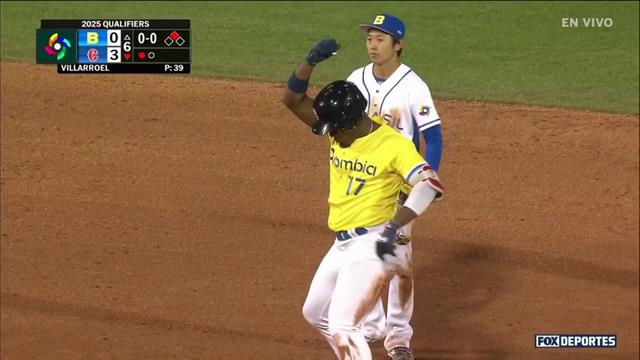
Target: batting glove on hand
(322,51)
(387,242)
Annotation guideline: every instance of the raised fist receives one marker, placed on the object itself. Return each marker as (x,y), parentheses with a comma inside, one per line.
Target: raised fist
(322,51)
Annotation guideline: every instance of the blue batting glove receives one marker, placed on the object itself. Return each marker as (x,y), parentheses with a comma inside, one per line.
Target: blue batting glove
(387,242)
(322,51)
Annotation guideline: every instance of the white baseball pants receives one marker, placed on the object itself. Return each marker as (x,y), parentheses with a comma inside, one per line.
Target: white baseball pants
(345,288)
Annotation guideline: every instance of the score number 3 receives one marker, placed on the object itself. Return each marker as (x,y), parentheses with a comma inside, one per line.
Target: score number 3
(358,186)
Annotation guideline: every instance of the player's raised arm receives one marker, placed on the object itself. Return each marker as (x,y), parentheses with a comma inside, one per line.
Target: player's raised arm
(295,96)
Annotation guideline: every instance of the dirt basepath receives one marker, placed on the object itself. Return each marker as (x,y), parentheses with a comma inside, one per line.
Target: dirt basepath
(179,217)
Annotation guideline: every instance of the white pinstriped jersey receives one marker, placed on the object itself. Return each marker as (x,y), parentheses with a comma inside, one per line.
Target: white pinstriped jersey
(403,100)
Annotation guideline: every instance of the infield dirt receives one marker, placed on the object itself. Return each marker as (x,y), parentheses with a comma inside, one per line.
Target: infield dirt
(183,217)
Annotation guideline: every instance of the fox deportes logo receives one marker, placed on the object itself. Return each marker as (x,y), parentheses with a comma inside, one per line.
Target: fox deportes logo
(576,341)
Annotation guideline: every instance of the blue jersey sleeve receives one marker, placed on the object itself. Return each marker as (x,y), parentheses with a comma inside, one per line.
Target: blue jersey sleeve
(433,149)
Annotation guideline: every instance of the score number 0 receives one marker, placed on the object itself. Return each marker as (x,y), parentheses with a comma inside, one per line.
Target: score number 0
(114,39)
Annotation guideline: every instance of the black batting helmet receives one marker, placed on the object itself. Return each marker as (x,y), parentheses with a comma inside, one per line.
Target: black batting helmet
(338,106)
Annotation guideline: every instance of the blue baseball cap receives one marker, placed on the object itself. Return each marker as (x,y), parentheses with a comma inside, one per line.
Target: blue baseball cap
(386,23)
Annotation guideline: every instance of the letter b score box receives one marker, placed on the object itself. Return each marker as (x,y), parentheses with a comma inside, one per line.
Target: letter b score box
(115,46)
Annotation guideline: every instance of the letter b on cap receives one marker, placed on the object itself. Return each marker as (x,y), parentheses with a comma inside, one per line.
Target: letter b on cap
(378,20)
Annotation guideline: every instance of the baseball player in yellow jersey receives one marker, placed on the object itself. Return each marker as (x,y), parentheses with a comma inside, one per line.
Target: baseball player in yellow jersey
(369,162)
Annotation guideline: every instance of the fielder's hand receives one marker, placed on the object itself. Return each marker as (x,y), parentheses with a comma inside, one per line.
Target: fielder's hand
(322,51)
(387,242)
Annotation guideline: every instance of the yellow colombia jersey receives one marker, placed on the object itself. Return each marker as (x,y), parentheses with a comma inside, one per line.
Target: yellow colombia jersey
(365,178)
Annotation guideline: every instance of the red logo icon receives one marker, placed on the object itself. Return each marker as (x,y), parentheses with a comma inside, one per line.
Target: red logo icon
(92,55)
(127,56)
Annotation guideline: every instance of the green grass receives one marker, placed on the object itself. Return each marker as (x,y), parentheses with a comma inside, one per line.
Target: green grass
(507,52)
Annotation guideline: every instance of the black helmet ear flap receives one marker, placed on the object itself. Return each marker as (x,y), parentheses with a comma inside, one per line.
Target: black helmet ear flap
(320,128)
(324,127)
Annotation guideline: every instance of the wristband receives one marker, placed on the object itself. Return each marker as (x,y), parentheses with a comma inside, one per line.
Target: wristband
(296,85)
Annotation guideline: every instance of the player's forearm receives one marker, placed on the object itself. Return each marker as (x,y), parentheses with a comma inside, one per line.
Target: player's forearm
(418,201)
(295,95)
(304,71)
(297,85)
(403,216)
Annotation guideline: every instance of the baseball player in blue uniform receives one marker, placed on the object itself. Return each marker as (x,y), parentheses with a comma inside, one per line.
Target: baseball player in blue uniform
(397,94)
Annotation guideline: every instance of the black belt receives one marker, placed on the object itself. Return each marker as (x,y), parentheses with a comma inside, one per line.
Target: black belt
(348,234)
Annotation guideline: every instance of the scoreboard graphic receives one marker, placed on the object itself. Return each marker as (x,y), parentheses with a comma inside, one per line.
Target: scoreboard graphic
(115,46)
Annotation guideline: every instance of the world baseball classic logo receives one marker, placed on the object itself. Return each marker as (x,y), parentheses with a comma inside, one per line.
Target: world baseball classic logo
(575,341)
